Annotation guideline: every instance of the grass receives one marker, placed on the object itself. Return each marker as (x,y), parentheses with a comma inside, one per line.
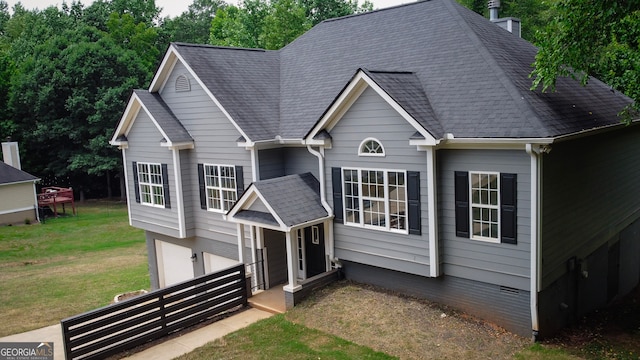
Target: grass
(68,265)
(278,338)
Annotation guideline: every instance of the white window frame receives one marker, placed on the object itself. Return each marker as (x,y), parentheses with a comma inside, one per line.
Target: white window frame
(489,207)
(302,261)
(385,199)
(225,203)
(364,143)
(151,180)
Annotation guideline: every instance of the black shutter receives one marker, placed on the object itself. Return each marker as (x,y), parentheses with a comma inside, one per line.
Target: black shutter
(201,184)
(239,181)
(336,183)
(165,186)
(136,183)
(413,192)
(508,207)
(462,203)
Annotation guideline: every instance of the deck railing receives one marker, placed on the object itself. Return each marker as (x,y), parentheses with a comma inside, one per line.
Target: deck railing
(115,328)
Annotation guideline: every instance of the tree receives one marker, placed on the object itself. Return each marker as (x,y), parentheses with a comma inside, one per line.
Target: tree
(193,25)
(599,38)
(272,25)
(68,82)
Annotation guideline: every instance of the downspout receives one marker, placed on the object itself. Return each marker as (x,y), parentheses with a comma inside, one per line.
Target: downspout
(535,236)
(178,179)
(254,164)
(323,197)
(35,199)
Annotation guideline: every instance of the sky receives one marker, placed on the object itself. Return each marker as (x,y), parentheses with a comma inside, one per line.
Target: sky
(171,8)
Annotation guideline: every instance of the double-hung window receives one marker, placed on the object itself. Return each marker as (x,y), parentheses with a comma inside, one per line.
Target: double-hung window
(150,184)
(220,184)
(485,206)
(375,199)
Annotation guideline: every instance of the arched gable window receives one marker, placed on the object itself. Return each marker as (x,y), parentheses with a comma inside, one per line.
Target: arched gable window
(371,147)
(182,83)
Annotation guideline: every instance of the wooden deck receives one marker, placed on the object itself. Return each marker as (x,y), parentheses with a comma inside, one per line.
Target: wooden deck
(54,196)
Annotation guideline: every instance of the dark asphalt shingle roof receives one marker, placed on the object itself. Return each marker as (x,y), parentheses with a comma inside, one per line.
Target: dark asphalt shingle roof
(294,198)
(165,118)
(473,74)
(405,89)
(10,175)
(244,81)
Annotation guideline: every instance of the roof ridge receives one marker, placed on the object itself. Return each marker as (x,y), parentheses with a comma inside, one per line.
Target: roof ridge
(505,79)
(208,46)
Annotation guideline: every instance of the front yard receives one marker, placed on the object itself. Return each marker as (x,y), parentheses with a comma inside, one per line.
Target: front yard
(73,264)
(68,265)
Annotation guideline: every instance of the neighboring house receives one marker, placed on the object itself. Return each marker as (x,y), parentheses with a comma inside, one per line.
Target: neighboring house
(18,201)
(403,146)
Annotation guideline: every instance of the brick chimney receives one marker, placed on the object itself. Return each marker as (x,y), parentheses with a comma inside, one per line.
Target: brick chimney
(11,154)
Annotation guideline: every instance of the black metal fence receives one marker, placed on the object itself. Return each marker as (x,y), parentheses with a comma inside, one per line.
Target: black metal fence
(123,326)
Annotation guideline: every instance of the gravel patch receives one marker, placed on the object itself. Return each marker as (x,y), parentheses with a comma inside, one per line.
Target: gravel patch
(402,326)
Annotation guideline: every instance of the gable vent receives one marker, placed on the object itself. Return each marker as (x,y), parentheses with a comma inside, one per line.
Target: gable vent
(182,83)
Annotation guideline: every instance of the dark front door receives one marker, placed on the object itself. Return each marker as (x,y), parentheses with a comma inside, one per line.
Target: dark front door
(276,253)
(314,250)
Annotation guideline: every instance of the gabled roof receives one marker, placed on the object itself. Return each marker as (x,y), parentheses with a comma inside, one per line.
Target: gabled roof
(246,82)
(291,201)
(11,175)
(172,130)
(453,70)
(401,90)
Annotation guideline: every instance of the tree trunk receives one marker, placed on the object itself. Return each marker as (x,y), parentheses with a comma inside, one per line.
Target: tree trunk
(109,192)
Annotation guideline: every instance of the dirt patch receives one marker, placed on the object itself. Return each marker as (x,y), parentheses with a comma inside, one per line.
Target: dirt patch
(609,333)
(402,326)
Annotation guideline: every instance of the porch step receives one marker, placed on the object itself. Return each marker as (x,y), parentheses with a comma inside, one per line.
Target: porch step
(265,307)
(271,300)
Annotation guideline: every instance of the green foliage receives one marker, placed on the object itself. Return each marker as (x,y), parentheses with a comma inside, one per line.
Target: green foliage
(585,39)
(274,24)
(193,25)
(66,78)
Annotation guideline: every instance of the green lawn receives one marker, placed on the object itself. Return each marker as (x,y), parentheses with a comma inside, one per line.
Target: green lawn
(68,265)
(277,338)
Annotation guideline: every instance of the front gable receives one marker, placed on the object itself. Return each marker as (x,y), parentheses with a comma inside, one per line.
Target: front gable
(403,99)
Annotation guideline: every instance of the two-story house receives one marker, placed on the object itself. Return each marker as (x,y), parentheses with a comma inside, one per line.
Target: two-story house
(404,147)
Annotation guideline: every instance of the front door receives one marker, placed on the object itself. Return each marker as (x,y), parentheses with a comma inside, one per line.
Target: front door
(314,250)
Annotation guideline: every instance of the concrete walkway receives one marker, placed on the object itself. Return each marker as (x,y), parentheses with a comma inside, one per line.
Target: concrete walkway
(164,351)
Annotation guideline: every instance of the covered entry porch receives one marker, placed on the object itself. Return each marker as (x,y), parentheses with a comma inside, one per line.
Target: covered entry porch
(291,235)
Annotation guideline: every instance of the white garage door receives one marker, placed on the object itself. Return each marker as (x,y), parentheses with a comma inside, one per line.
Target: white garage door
(174,263)
(213,263)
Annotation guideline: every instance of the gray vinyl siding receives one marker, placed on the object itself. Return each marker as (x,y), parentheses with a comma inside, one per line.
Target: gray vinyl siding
(271,163)
(371,116)
(508,308)
(590,193)
(299,161)
(144,139)
(501,264)
(286,161)
(215,140)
